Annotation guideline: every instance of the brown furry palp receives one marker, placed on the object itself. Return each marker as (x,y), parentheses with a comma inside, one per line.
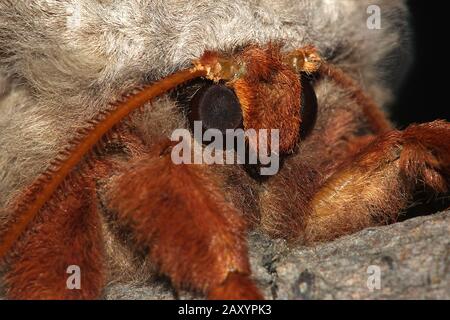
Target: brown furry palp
(44,187)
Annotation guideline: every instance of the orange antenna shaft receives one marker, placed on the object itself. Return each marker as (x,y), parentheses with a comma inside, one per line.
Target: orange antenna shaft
(379,122)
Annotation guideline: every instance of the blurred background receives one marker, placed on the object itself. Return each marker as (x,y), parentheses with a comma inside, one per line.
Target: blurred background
(425,94)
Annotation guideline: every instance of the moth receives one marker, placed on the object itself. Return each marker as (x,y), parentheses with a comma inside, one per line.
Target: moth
(91,92)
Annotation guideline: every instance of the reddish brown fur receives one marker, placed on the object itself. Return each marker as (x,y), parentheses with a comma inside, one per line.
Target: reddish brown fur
(366,189)
(67,233)
(286,200)
(374,186)
(351,172)
(236,285)
(178,213)
(372,111)
(426,154)
(86,140)
(269,94)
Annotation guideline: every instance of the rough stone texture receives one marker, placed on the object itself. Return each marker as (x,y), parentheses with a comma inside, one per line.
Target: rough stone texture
(413,257)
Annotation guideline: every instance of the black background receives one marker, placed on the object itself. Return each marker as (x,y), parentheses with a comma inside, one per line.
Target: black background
(169,309)
(425,94)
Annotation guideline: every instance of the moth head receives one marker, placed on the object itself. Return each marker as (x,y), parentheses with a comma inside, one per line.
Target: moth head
(259,88)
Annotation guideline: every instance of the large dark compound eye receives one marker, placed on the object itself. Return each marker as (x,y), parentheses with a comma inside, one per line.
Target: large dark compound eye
(217,106)
(308,107)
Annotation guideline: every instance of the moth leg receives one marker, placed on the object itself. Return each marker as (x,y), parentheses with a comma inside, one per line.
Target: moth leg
(179,216)
(310,201)
(61,256)
(372,187)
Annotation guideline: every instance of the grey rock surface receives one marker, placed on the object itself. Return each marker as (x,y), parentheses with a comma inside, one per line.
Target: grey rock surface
(412,259)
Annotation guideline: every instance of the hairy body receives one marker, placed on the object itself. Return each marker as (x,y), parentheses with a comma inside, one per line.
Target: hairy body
(61,62)
(57,71)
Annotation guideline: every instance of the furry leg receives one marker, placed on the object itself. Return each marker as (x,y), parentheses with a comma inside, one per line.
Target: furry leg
(310,201)
(191,232)
(374,186)
(67,233)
